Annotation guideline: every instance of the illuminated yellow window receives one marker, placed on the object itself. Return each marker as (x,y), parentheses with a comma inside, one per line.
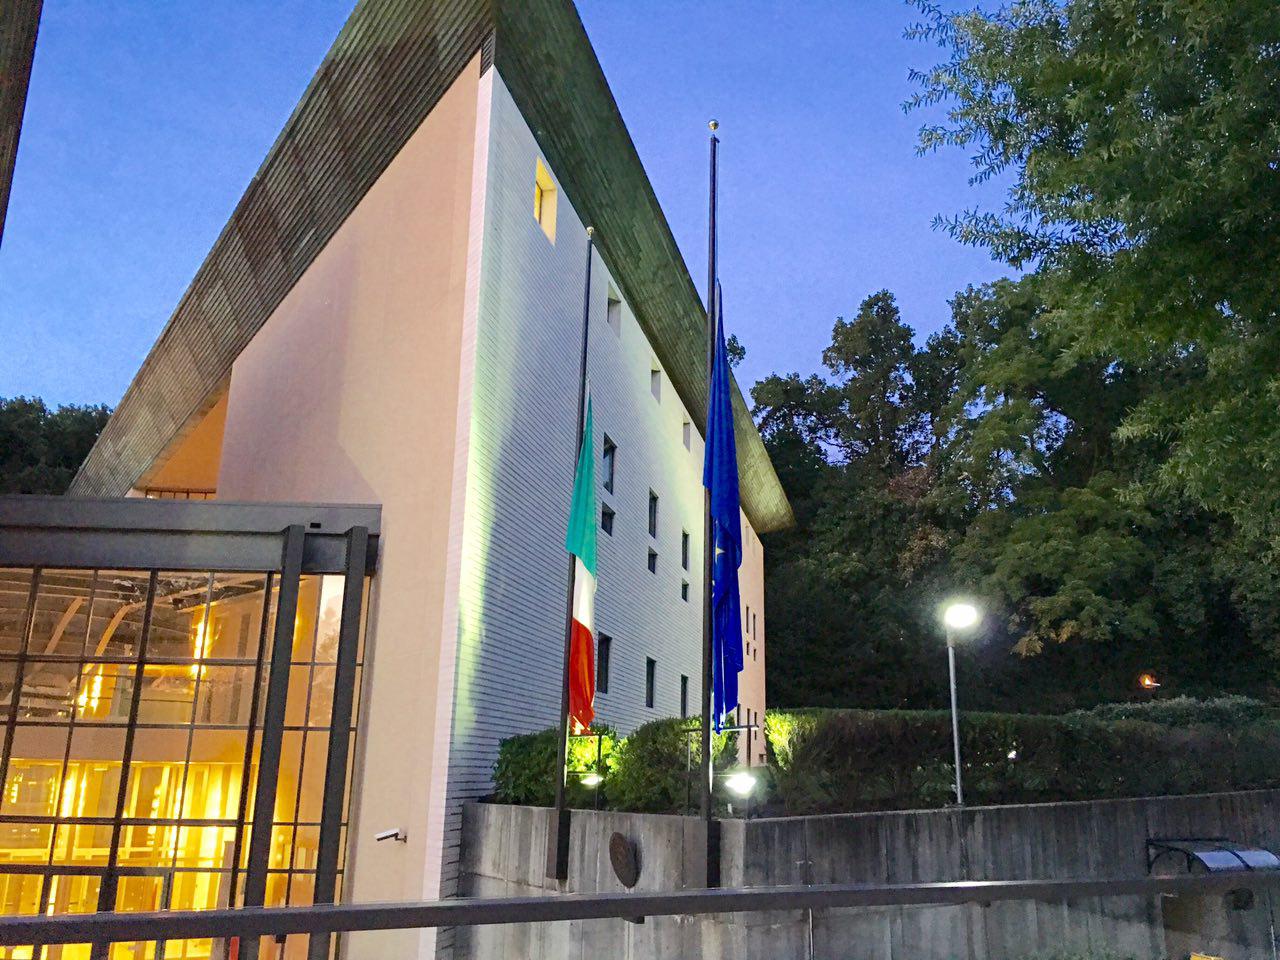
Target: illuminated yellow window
(544,200)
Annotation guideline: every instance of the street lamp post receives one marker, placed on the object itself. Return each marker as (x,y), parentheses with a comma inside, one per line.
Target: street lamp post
(957,617)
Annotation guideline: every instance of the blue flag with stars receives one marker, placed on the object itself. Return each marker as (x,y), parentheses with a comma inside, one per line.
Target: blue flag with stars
(720,477)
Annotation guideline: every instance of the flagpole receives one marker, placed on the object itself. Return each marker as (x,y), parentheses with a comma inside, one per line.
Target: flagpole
(558,836)
(706,767)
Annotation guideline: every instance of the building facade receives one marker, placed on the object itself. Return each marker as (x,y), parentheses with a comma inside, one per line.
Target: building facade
(393,317)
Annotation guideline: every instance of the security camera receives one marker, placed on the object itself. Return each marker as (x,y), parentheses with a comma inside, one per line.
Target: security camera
(396,834)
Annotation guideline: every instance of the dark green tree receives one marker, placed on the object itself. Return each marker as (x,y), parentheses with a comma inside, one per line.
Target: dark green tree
(1141,141)
(41,449)
(849,588)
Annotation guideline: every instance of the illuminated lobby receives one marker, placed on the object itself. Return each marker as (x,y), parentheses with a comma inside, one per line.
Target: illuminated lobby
(139,705)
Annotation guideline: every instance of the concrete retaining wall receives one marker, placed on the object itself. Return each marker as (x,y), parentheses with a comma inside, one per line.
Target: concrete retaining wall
(504,853)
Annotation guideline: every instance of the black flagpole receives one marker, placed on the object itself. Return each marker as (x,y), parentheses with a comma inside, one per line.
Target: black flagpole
(707,769)
(558,836)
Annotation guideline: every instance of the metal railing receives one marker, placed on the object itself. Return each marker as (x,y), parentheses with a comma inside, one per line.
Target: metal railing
(342,918)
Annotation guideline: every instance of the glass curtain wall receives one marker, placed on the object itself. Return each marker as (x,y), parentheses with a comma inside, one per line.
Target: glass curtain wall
(132,704)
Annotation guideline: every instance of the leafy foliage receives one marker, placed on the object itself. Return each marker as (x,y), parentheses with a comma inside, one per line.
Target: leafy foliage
(525,769)
(1141,141)
(646,771)
(41,449)
(855,760)
(834,761)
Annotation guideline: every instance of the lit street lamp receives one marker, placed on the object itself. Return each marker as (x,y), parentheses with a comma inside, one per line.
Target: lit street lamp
(958,618)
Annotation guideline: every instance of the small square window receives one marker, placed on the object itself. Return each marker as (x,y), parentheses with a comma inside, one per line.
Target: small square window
(686,434)
(604,647)
(653,562)
(684,695)
(653,514)
(684,591)
(544,200)
(684,549)
(608,461)
(613,313)
(650,680)
(606,518)
(655,383)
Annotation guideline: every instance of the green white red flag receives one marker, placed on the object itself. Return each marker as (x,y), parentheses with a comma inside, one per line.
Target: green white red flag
(580,541)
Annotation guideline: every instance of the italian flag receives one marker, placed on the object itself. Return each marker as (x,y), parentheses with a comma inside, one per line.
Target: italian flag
(580,541)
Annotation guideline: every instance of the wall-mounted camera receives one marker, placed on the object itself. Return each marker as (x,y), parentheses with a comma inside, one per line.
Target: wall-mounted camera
(396,834)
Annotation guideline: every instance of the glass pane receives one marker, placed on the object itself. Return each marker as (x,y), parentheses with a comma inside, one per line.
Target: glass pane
(235,616)
(93,772)
(119,606)
(315,762)
(304,629)
(290,776)
(302,890)
(72,894)
(49,691)
(224,696)
(61,615)
(322,678)
(105,692)
(139,894)
(306,847)
(205,847)
(277,889)
(180,627)
(19,893)
(168,692)
(35,771)
(295,711)
(82,844)
(281,848)
(213,777)
(15,591)
(331,589)
(26,843)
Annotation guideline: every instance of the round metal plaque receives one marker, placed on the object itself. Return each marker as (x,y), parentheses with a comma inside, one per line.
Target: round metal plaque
(625,859)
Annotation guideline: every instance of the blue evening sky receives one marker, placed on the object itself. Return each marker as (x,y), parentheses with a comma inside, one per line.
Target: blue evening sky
(146,120)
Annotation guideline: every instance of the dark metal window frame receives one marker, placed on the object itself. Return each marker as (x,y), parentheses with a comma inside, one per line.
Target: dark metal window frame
(650,681)
(608,463)
(604,651)
(283,541)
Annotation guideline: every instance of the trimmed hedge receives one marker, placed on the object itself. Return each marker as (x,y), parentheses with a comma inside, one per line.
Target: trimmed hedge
(1228,711)
(855,760)
(835,761)
(645,772)
(655,769)
(525,771)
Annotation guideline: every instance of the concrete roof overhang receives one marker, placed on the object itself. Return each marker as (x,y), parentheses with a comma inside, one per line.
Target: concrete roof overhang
(389,66)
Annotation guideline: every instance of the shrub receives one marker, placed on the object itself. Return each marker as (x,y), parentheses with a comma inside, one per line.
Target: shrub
(1228,711)
(651,770)
(851,760)
(525,769)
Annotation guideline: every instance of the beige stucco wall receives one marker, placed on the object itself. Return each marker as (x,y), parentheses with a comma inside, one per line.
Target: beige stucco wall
(192,461)
(751,680)
(350,393)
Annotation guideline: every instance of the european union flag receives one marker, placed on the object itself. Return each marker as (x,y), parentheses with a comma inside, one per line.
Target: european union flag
(720,477)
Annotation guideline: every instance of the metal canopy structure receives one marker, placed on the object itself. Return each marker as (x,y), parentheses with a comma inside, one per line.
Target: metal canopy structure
(388,68)
(1206,855)
(139,533)
(19,22)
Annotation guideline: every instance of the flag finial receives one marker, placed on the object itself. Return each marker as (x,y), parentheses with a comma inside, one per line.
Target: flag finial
(714,125)
(591,231)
